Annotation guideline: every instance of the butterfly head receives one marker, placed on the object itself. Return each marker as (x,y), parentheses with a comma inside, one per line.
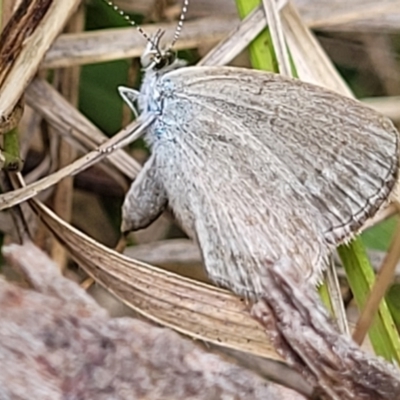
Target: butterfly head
(154,57)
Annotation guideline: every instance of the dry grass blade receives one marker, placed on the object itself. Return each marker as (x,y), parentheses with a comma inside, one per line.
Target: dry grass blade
(335,295)
(132,131)
(25,40)
(198,310)
(237,39)
(389,106)
(357,14)
(312,63)
(278,41)
(115,44)
(75,127)
(67,81)
(322,14)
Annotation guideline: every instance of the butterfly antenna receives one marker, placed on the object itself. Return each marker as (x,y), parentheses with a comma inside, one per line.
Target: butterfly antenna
(128,19)
(182,17)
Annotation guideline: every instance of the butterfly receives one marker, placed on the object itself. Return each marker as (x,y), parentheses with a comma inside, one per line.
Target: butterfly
(256,166)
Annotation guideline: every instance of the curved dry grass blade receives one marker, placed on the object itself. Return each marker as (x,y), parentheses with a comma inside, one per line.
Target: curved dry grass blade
(197,310)
(67,82)
(131,132)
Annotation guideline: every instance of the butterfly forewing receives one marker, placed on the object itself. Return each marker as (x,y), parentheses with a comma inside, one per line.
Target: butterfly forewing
(260,166)
(344,154)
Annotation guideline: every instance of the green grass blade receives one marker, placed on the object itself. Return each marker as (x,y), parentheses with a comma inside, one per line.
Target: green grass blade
(383,334)
(261,49)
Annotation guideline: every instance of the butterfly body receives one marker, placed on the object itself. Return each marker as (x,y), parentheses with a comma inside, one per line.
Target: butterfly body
(256,167)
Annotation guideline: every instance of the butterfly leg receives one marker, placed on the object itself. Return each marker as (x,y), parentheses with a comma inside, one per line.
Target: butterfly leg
(130,97)
(145,200)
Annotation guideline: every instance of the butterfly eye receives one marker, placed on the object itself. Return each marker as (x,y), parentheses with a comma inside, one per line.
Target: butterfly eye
(164,60)
(153,57)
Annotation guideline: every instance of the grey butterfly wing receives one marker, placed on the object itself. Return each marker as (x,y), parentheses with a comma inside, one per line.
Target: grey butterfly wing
(259,166)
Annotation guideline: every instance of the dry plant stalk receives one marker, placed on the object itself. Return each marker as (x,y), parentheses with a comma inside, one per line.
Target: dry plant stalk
(67,81)
(23,43)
